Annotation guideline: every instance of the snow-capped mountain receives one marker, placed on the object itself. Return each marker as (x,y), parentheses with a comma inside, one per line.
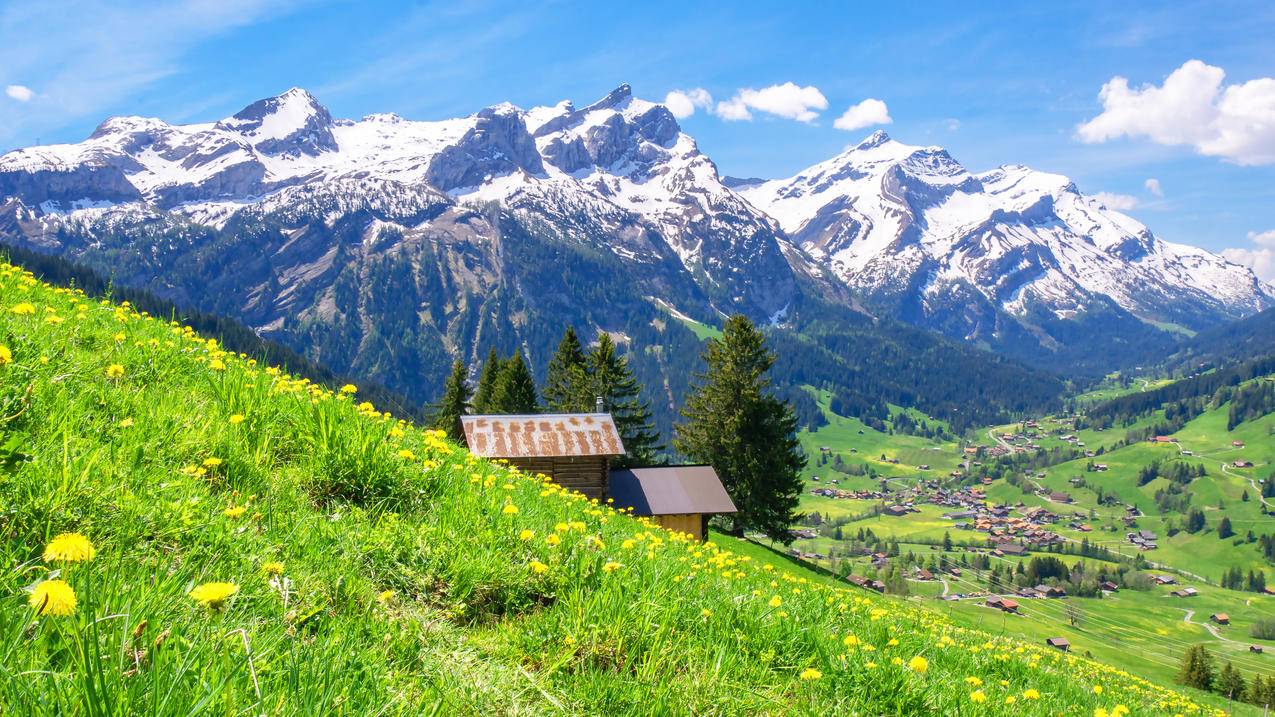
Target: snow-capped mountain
(912,228)
(289,212)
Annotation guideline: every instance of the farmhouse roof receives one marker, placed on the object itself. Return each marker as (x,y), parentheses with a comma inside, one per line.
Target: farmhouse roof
(670,490)
(549,435)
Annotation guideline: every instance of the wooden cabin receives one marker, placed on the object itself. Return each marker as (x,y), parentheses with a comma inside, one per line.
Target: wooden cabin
(680,498)
(1060,643)
(574,449)
(1220,618)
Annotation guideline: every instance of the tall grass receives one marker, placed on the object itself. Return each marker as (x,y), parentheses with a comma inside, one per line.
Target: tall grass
(414,578)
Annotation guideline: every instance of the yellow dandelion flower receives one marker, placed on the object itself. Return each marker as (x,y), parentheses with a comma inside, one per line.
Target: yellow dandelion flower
(1101,712)
(54,598)
(236,419)
(526,535)
(509,509)
(272,567)
(553,539)
(919,664)
(6,356)
(850,640)
(234,511)
(974,681)
(538,567)
(114,371)
(69,548)
(385,596)
(978,696)
(1010,699)
(610,567)
(1031,694)
(406,455)
(349,389)
(706,613)
(23,309)
(1097,689)
(213,595)
(126,423)
(810,673)
(212,462)
(776,601)
(892,643)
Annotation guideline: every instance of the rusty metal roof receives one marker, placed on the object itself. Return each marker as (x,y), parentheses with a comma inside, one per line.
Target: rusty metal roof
(546,435)
(671,490)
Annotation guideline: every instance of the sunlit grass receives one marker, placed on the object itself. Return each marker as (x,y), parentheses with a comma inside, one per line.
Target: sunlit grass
(265,545)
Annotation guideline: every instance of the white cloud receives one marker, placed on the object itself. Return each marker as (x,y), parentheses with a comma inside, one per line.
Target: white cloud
(116,51)
(1261,258)
(682,103)
(953,124)
(864,114)
(1153,186)
(787,100)
(1118,202)
(21,93)
(1192,107)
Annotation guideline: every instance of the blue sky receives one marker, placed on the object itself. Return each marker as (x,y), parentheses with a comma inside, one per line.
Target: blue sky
(994,83)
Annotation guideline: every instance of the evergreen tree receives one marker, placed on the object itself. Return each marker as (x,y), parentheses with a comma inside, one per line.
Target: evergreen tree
(566,387)
(735,424)
(454,403)
(1224,529)
(515,389)
(1230,683)
(611,379)
(1196,669)
(1195,521)
(487,384)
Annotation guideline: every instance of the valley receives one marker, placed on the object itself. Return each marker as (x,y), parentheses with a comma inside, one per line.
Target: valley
(973,512)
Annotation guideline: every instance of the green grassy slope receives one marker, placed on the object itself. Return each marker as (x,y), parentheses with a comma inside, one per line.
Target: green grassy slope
(378,569)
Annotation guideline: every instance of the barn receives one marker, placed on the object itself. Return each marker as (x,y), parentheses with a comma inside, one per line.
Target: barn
(575,450)
(680,498)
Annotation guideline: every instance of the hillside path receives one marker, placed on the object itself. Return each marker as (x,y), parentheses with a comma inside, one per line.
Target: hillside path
(1211,628)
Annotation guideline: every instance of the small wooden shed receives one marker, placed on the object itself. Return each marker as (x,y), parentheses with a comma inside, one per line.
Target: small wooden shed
(680,498)
(1060,643)
(1220,618)
(574,449)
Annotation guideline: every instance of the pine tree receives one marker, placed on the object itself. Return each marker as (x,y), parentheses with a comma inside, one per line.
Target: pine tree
(1224,529)
(1230,683)
(611,379)
(566,387)
(1196,669)
(454,403)
(734,423)
(487,384)
(515,389)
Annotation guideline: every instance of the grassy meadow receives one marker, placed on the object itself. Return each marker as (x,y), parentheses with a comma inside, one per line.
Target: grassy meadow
(249,542)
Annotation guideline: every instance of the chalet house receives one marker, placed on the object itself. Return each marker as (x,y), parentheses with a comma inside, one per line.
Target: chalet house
(923,574)
(1109,586)
(1243,464)
(1220,618)
(1255,649)
(1185,593)
(1011,549)
(1059,497)
(575,451)
(1237,444)
(897,510)
(1164,579)
(1060,643)
(1050,591)
(1004,604)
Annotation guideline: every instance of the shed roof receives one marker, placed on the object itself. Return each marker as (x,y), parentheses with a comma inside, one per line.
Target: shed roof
(670,490)
(546,435)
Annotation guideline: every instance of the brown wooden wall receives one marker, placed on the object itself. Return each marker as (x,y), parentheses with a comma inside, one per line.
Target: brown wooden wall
(692,523)
(586,474)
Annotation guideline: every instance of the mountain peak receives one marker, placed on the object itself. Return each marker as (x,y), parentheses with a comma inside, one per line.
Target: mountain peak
(613,99)
(876,139)
(291,123)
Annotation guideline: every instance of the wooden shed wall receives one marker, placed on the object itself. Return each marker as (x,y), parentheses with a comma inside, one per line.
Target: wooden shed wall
(692,523)
(586,474)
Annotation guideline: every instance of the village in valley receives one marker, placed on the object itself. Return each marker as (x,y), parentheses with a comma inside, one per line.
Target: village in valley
(1049,529)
